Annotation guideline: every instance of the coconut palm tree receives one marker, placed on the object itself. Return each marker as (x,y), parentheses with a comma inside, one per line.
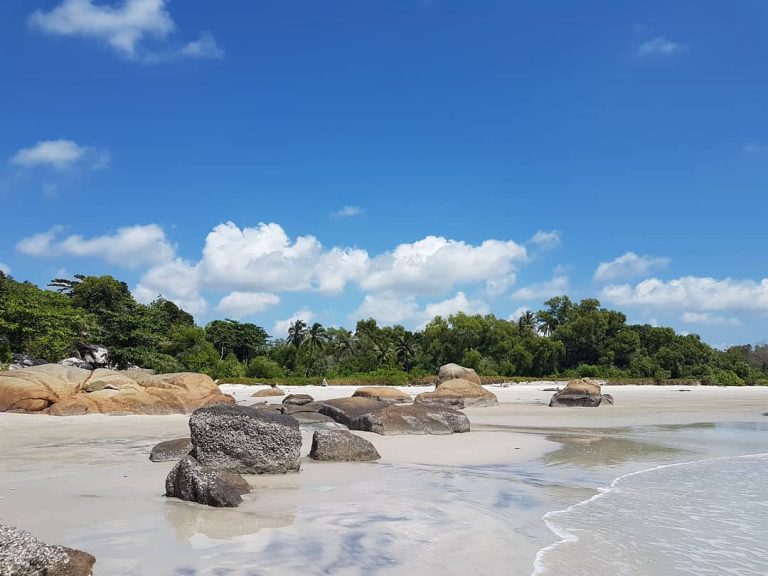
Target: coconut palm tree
(405,349)
(343,344)
(296,333)
(526,324)
(315,339)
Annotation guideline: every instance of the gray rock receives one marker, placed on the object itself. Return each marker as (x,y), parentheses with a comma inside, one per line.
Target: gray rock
(21,554)
(170,450)
(413,419)
(240,439)
(191,481)
(586,400)
(341,446)
(298,399)
(348,411)
(292,409)
(311,421)
(450,400)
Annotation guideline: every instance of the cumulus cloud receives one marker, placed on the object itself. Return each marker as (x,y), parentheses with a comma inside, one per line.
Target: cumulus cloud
(629,265)
(692,293)
(129,247)
(61,154)
(436,264)
(176,280)
(659,47)
(124,27)
(5,269)
(518,313)
(390,308)
(709,319)
(348,212)
(240,304)
(546,239)
(280,329)
(557,286)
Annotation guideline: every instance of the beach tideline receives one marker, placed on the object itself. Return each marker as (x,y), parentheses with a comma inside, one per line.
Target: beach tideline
(458,504)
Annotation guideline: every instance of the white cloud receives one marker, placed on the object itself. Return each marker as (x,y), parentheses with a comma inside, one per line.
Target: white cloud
(517,314)
(436,264)
(659,46)
(5,269)
(240,304)
(129,247)
(390,308)
(546,239)
(709,319)
(629,265)
(61,154)
(177,281)
(691,293)
(125,27)
(280,329)
(347,212)
(557,286)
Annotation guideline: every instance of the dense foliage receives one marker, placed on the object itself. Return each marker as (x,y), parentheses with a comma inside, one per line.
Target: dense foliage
(563,339)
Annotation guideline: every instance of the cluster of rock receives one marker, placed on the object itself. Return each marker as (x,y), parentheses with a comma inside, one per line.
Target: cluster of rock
(582,392)
(458,387)
(66,391)
(21,554)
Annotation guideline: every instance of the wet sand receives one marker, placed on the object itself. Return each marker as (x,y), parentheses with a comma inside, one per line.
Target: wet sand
(461,504)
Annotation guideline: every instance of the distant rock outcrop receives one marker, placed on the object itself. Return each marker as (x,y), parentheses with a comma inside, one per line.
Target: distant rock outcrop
(385,393)
(456,372)
(266,392)
(582,392)
(341,446)
(458,387)
(66,391)
(21,554)
(298,399)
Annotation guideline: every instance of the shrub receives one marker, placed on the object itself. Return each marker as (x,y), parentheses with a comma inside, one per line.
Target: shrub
(263,367)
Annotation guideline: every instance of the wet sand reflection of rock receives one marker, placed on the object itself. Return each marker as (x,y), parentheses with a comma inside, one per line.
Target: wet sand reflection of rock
(189,519)
(602,450)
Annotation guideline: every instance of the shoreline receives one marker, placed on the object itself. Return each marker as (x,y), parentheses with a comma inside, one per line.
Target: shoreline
(86,482)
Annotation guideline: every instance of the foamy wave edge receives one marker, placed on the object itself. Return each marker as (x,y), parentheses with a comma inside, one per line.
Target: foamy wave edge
(538,564)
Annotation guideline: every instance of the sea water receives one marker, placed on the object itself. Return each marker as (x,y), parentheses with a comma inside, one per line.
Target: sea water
(705,517)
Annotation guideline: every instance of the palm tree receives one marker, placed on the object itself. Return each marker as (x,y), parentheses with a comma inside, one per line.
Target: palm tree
(316,338)
(296,332)
(344,344)
(405,350)
(381,351)
(526,324)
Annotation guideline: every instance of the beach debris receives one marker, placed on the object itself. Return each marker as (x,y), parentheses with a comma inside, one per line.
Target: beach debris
(298,399)
(413,419)
(65,391)
(385,393)
(192,482)
(21,554)
(240,439)
(459,393)
(341,446)
(271,391)
(170,450)
(582,392)
(325,383)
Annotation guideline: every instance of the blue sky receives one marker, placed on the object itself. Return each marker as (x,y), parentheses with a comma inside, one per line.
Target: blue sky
(394,158)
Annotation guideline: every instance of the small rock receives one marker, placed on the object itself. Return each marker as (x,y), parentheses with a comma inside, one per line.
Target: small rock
(342,446)
(413,419)
(298,399)
(170,450)
(266,392)
(191,481)
(385,393)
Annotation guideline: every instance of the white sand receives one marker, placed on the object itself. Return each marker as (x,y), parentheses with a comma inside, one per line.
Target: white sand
(427,507)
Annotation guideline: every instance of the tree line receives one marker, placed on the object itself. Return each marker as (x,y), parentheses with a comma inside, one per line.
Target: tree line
(563,339)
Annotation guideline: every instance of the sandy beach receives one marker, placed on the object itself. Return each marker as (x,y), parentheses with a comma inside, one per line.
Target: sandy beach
(460,504)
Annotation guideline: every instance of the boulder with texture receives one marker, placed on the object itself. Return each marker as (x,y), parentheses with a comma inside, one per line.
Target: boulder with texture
(64,391)
(341,446)
(451,392)
(456,372)
(170,450)
(21,554)
(385,393)
(298,399)
(413,419)
(266,392)
(311,421)
(348,411)
(240,439)
(191,481)
(582,392)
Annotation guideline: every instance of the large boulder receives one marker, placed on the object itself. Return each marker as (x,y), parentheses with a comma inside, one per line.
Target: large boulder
(460,394)
(413,419)
(454,371)
(191,481)
(342,446)
(348,411)
(65,391)
(298,399)
(170,450)
(21,554)
(240,439)
(385,393)
(582,392)
(266,392)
